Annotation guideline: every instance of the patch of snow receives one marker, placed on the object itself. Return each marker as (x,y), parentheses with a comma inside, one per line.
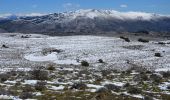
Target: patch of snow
(6,97)
(164,85)
(11,82)
(67,61)
(162,69)
(61,87)
(49,57)
(37,93)
(134,95)
(30,82)
(94,86)
(91,90)
(121,84)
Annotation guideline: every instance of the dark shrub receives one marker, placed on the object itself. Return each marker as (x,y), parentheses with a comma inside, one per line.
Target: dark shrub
(148,98)
(84,63)
(162,43)
(166,74)
(134,90)
(26,95)
(40,86)
(80,86)
(112,87)
(125,38)
(158,55)
(27,88)
(38,74)
(26,36)
(4,77)
(101,61)
(143,77)
(50,67)
(127,85)
(4,46)
(143,40)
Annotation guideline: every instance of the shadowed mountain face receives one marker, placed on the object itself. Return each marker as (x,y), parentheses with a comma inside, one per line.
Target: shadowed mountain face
(87,22)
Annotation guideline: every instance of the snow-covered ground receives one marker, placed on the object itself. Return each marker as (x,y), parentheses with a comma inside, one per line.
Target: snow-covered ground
(115,52)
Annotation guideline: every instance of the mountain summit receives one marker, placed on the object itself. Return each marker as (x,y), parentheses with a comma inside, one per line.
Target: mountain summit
(87,22)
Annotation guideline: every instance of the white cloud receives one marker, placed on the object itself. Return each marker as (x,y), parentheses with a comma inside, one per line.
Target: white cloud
(5,15)
(20,14)
(123,6)
(32,14)
(70,6)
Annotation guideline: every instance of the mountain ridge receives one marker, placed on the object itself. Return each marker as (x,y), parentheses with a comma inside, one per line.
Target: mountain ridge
(87,22)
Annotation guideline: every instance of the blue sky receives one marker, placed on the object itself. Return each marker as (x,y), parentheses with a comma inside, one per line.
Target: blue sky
(51,6)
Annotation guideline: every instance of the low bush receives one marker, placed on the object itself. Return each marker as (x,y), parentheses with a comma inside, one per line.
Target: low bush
(27,88)
(50,67)
(80,86)
(4,46)
(26,95)
(84,63)
(125,38)
(143,40)
(158,55)
(4,77)
(101,61)
(39,74)
(26,36)
(40,86)
(166,74)
(134,90)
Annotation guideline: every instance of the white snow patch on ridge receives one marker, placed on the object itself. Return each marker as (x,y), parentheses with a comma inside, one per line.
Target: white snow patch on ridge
(92,13)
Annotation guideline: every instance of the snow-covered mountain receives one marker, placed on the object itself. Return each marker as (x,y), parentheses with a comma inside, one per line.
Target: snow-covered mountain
(87,21)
